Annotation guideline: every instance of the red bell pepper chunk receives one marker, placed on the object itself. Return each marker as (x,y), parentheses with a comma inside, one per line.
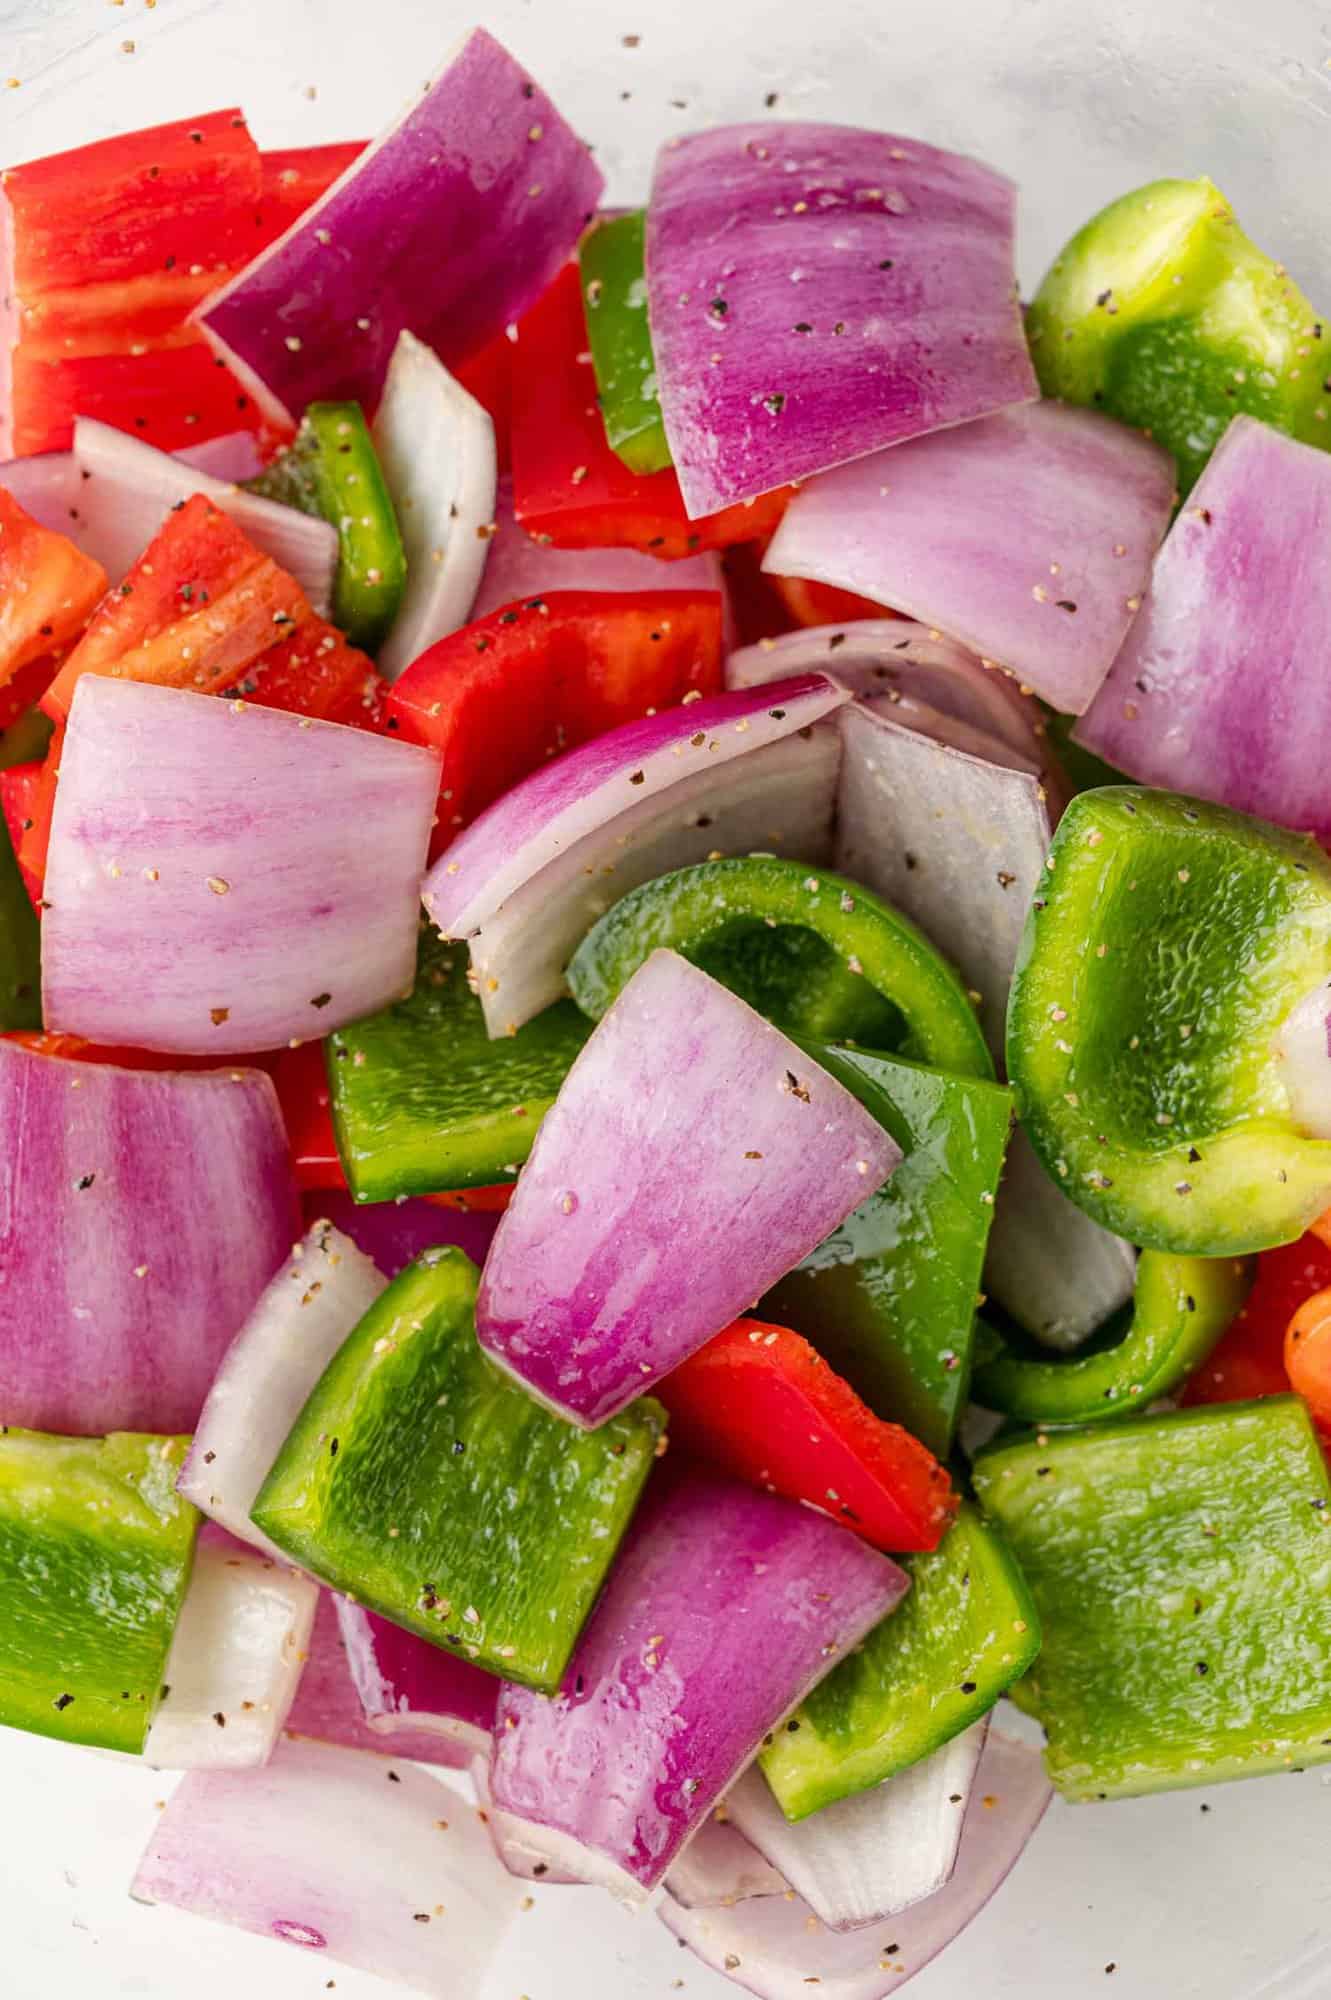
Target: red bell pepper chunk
(759,1402)
(174,395)
(26,689)
(20,786)
(1249,1359)
(73,1048)
(48,589)
(823,604)
(36,832)
(294,178)
(569,488)
(199,606)
(538,676)
(488,376)
(301,1081)
(1308,1356)
(317,672)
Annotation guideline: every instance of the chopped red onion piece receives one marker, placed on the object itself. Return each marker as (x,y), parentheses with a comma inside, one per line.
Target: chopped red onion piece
(290,1852)
(141,1215)
(518,566)
(51,487)
(449,224)
(406,1686)
(778,1950)
(898,659)
(320,1292)
(327,1707)
(127,488)
(1221,689)
(568,817)
(236,1658)
(778,799)
(870,1856)
(693,1156)
(265,866)
(436,446)
(393,1234)
(522,1847)
(1303,1050)
(47,487)
(817,292)
(977,833)
(725,1606)
(1028,536)
(234,457)
(720,1867)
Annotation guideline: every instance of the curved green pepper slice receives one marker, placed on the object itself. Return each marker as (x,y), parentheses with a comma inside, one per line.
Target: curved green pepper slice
(1169,941)
(614,294)
(1180,1308)
(331,469)
(963,1633)
(714,905)
(95,1554)
(1163,313)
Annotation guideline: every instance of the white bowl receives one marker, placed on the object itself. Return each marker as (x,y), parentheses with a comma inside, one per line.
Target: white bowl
(1225,1892)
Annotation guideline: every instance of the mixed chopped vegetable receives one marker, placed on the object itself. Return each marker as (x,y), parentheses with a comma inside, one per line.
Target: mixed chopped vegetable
(667,834)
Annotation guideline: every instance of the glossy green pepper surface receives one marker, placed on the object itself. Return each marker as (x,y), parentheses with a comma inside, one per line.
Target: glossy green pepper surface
(889,1299)
(95,1554)
(962,1634)
(20,946)
(614,294)
(1161,312)
(1180,1308)
(1169,940)
(424,1483)
(332,470)
(717,905)
(1181,1566)
(423,1100)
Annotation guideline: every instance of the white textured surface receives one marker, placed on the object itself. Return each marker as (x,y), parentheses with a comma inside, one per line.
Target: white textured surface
(1078,102)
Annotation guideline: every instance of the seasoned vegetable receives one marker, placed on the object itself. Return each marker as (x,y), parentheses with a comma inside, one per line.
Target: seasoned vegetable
(507,1517)
(1167,944)
(1180,1308)
(889,1297)
(966,1631)
(1161,312)
(421,1097)
(614,293)
(698,908)
(1179,1567)
(95,1552)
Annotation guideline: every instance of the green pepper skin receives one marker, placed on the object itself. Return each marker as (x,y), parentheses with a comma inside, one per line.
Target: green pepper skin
(1169,940)
(20,946)
(963,1633)
(1180,1566)
(421,1481)
(96,1548)
(889,1299)
(332,470)
(422,1099)
(614,293)
(696,910)
(1180,1308)
(802,986)
(1161,312)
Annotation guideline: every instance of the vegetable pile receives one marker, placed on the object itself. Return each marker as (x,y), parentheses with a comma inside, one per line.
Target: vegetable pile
(560,909)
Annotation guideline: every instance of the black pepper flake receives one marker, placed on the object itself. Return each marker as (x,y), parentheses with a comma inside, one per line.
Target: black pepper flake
(84,1181)
(393,1778)
(458,1447)
(508,617)
(775,403)
(219,1718)
(886,264)
(837,639)
(62,1701)
(718,308)
(1193,1155)
(802,326)
(421,1917)
(792,1725)
(334,1446)
(1065,604)
(968,1687)
(638,777)
(911,863)
(1043,1471)
(1201,1669)
(321,999)
(770,100)
(541,1868)
(208,1457)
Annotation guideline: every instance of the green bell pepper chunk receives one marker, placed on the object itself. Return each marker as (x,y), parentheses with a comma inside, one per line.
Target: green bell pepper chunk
(802,986)
(889,1299)
(422,1099)
(1180,1566)
(721,904)
(965,1630)
(20,946)
(423,1482)
(1180,1308)
(614,293)
(26,740)
(332,470)
(1170,939)
(1163,313)
(95,1553)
